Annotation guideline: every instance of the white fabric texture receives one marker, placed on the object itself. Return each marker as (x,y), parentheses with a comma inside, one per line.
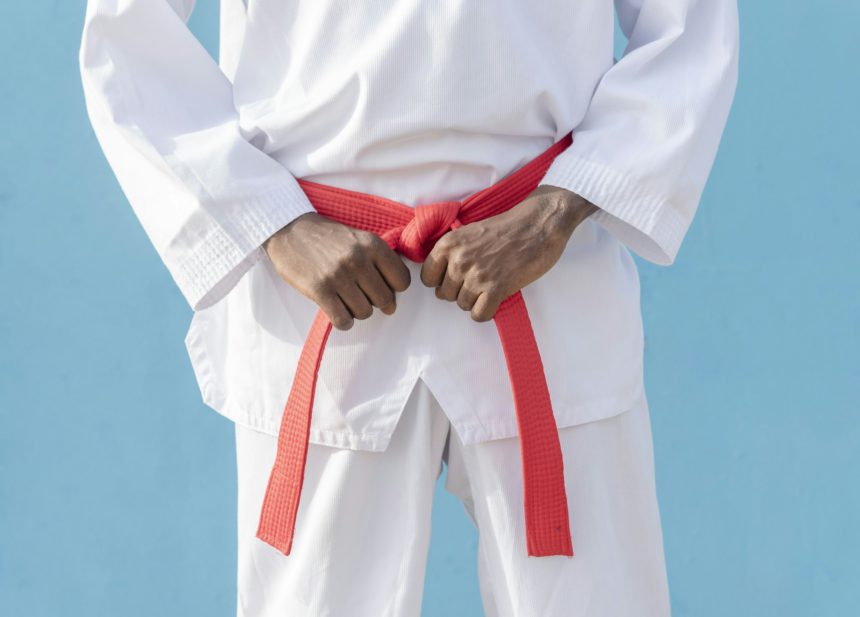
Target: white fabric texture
(363,525)
(417,102)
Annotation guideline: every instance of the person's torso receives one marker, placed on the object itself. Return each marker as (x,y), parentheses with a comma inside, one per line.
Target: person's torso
(420,102)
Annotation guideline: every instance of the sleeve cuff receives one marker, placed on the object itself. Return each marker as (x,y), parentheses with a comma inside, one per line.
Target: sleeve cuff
(219,260)
(647,223)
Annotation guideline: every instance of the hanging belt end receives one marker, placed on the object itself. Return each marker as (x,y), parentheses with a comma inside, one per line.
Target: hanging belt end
(278,515)
(556,542)
(282,544)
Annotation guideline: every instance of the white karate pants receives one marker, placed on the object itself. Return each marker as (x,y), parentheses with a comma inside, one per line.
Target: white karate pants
(363,525)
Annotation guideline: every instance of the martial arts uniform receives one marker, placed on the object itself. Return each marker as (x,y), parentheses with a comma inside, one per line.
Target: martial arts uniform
(420,102)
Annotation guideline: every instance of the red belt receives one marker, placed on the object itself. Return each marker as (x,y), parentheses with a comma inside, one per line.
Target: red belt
(413,232)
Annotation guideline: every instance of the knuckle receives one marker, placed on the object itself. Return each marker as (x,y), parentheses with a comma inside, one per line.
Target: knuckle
(364,312)
(340,266)
(342,323)
(378,245)
(388,309)
(500,297)
(481,315)
(386,299)
(369,243)
(441,245)
(466,298)
(455,268)
(354,257)
(482,274)
(495,294)
(322,286)
(360,260)
(333,281)
(402,284)
(447,241)
(425,275)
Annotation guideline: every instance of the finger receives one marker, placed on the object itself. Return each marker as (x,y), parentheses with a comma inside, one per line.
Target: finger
(355,300)
(466,298)
(450,287)
(377,290)
(338,314)
(391,267)
(433,268)
(485,306)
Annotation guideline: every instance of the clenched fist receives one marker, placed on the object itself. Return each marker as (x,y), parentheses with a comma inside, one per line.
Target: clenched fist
(480,264)
(346,271)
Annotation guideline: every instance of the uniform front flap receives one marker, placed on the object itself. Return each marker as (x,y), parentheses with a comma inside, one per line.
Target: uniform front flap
(586,317)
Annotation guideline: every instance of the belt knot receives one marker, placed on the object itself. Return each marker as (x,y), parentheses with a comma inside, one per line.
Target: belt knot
(429,223)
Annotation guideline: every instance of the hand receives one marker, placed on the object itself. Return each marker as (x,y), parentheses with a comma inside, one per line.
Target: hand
(345,271)
(480,264)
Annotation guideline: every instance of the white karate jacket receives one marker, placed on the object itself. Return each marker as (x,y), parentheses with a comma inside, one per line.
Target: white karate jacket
(417,101)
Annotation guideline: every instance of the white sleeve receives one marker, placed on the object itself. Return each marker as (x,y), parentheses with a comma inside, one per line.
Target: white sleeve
(646,145)
(163,113)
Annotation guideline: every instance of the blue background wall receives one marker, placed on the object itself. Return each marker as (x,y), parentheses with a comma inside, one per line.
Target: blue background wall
(117,485)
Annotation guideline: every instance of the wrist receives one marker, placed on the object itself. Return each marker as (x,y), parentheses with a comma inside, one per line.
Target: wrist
(566,208)
(285,229)
(575,208)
